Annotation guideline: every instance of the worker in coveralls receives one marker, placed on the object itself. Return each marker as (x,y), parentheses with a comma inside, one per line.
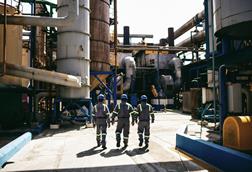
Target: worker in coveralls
(144,112)
(101,120)
(123,111)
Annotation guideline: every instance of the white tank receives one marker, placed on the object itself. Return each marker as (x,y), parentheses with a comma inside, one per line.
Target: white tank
(233,18)
(73,51)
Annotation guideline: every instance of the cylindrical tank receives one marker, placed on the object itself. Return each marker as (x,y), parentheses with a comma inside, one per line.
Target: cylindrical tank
(99,29)
(237,132)
(73,55)
(13,49)
(233,18)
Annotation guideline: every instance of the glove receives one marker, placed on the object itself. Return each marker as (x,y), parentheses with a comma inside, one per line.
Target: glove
(132,123)
(152,120)
(108,125)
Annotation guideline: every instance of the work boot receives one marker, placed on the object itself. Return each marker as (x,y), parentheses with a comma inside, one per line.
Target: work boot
(146,140)
(104,147)
(98,143)
(118,144)
(141,143)
(125,143)
(146,145)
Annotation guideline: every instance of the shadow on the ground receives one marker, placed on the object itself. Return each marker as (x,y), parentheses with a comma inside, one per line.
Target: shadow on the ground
(6,163)
(89,152)
(113,152)
(137,151)
(146,167)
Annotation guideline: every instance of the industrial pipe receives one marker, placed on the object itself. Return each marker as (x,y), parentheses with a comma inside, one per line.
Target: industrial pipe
(13,147)
(170,36)
(137,35)
(115,51)
(156,48)
(42,2)
(43,75)
(223,98)
(197,38)
(73,11)
(189,24)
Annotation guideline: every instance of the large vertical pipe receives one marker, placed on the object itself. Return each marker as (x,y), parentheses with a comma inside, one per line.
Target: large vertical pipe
(115,44)
(171,36)
(73,51)
(32,59)
(126,35)
(206,29)
(213,65)
(223,98)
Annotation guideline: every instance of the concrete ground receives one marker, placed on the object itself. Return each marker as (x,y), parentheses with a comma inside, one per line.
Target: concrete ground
(74,148)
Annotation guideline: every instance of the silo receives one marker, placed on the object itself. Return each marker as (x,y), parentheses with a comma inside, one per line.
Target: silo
(233,18)
(73,48)
(99,29)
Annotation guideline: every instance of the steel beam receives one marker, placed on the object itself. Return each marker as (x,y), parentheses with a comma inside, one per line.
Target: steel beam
(156,48)
(136,35)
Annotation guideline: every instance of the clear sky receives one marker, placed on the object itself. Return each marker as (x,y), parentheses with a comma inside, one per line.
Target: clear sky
(155,16)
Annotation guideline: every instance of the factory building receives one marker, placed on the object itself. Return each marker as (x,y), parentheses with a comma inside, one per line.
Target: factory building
(57,58)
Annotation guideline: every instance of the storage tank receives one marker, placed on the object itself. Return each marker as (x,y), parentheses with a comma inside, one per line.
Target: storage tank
(237,132)
(13,49)
(99,29)
(73,55)
(233,18)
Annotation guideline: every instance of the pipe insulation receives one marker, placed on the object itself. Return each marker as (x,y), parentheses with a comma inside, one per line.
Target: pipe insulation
(72,12)
(189,24)
(176,64)
(43,75)
(197,38)
(73,52)
(13,147)
(129,64)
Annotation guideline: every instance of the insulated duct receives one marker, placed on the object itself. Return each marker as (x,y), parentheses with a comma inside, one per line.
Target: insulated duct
(73,51)
(176,64)
(167,84)
(189,42)
(129,64)
(189,24)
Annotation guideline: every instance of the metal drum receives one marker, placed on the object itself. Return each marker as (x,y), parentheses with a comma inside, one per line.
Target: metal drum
(99,29)
(233,18)
(73,48)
